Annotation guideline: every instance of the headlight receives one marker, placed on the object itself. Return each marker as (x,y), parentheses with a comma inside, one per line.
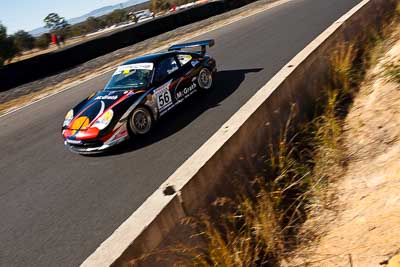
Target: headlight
(104,120)
(68,118)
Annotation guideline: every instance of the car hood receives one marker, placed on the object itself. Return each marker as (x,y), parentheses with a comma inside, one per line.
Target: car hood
(96,104)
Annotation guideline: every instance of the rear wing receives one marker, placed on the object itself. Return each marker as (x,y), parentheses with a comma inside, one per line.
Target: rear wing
(202,44)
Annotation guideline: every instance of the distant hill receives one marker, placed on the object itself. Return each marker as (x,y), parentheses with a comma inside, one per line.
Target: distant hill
(95,13)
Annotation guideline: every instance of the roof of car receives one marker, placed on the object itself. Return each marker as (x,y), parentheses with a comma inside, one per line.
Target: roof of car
(150,58)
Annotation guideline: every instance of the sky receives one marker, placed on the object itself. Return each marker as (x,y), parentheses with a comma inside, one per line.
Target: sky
(29,14)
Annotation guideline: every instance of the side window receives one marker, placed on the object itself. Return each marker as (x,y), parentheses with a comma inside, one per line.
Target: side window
(184,59)
(165,68)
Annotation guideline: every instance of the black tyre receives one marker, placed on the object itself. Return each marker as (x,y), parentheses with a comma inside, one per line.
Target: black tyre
(140,121)
(205,79)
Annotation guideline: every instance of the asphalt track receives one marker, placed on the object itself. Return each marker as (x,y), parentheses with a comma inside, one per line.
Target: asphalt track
(57,207)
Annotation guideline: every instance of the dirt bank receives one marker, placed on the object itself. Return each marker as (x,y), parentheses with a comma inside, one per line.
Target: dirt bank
(361,224)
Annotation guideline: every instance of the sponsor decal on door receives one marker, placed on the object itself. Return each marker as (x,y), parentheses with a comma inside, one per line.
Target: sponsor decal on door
(184,93)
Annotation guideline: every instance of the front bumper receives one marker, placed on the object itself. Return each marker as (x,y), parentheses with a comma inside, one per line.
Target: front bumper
(97,145)
(91,146)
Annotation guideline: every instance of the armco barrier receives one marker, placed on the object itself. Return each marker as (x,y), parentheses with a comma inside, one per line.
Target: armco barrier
(50,63)
(209,170)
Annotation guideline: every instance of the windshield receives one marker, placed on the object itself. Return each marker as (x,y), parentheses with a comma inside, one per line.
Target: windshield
(130,77)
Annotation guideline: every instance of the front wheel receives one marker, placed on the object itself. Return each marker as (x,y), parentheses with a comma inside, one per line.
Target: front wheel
(205,79)
(140,121)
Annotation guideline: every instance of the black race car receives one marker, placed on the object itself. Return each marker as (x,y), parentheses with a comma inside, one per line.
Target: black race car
(139,92)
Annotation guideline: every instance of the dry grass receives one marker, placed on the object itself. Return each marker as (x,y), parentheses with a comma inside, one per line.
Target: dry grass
(391,71)
(250,236)
(262,225)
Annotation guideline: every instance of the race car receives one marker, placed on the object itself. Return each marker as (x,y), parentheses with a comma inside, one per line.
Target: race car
(139,93)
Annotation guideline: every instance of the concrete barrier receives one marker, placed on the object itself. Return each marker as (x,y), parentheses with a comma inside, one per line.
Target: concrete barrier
(247,133)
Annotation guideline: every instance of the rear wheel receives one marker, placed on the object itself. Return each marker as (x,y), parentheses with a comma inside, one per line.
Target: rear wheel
(205,79)
(140,121)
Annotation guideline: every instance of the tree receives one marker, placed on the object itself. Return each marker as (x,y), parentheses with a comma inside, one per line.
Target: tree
(76,30)
(93,24)
(156,5)
(159,5)
(8,49)
(43,41)
(3,32)
(115,17)
(54,22)
(23,40)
